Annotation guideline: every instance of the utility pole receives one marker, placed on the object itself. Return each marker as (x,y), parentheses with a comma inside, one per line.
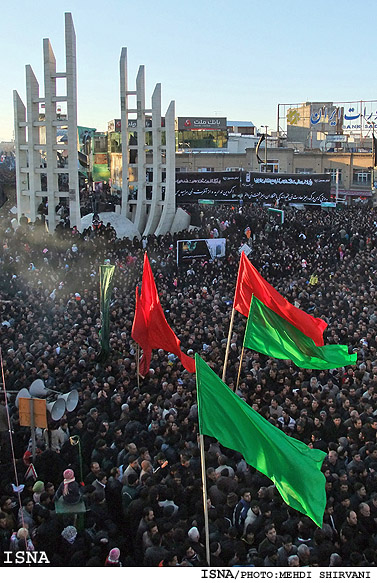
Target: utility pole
(265,149)
(337,186)
(373,165)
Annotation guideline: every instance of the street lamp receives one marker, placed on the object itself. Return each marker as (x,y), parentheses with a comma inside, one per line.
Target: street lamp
(265,148)
(373,161)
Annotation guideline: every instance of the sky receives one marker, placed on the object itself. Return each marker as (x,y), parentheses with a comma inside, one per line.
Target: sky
(237,59)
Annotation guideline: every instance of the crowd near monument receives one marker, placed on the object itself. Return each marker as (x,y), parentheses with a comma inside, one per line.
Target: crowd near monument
(179,394)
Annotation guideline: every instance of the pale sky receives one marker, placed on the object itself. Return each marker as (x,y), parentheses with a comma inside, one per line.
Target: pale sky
(213,58)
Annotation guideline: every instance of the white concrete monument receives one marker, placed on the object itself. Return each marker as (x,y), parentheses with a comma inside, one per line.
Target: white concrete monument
(45,167)
(148,160)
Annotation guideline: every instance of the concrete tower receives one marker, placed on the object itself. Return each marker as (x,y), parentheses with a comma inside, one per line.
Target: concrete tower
(148,159)
(42,171)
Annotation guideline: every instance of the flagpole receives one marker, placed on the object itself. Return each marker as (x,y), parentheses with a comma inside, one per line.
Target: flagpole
(373,164)
(10,436)
(138,365)
(205,499)
(228,344)
(239,368)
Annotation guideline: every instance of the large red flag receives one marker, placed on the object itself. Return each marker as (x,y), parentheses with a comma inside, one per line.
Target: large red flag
(250,282)
(140,334)
(150,328)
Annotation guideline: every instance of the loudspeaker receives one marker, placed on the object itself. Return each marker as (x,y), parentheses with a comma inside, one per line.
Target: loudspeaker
(56,409)
(24,394)
(38,389)
(71,399)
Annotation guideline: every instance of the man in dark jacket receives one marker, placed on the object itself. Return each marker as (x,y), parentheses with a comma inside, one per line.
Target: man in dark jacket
(241,509)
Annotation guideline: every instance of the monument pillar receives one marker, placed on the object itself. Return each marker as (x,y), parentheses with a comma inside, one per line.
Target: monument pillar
(36,137)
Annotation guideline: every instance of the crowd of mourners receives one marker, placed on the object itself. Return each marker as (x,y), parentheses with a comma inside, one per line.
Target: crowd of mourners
(126,462)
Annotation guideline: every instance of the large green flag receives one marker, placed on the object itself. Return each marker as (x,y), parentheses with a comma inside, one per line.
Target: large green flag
(294,468)
(106,273)
(270,334)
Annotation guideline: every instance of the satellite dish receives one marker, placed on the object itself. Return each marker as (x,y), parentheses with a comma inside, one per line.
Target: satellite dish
(56,409)
(24,394)
(38,389)
(71,399)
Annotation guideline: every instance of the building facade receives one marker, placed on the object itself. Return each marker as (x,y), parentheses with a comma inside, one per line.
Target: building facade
(353,170)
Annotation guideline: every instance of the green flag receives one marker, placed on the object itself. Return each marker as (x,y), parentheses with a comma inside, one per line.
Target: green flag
(294,468)
(270,334)
(106,273)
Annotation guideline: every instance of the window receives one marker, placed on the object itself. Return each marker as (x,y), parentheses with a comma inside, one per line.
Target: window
(271,166)
(201,139)
(304,170)
(233,169)
(332,172)
(361,177)
(206,169)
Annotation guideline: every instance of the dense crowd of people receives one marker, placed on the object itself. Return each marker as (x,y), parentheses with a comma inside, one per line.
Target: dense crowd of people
(127,458)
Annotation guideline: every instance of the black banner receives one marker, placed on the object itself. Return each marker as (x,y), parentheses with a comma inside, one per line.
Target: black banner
(193,186)
(285,188)
(252,187)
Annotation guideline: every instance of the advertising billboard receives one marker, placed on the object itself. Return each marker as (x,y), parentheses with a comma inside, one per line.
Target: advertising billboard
(349,117)
(115,125)
(201,123)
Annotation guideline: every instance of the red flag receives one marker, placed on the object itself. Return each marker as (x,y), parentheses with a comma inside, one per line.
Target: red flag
(140,334)
(150,328)
(250,282)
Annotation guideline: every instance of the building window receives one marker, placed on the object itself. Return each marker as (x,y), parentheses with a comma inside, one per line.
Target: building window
(233,169)
(332,172)
(181,169)
(201,139)
(271,166)
(304,170)
(361,177)
(204,169)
